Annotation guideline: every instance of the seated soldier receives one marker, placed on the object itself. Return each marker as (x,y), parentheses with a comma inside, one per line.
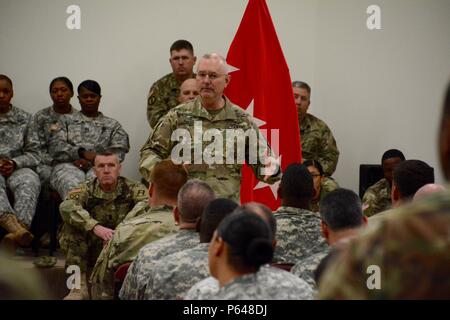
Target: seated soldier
(46,122)
(342,216)
(408,177)
(188,91)
(164,93)
(240,246)
(92,211)
(17,157)
(322,185)
(316,137)
(149,220)
(377,198)
(73,147)
(173,275)
(298,228)
(411,248)
(193,197)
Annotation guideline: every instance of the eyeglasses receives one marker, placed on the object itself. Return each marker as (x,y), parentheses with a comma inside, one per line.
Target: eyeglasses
(315,175)
(211,75)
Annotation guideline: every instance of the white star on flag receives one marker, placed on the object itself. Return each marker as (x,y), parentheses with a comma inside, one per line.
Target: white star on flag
(273,187)
(257,121)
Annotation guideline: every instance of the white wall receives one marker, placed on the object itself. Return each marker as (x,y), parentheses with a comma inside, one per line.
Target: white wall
(375,89)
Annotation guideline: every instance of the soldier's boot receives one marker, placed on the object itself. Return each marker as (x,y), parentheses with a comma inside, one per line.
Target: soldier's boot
(17,233)
(79,294)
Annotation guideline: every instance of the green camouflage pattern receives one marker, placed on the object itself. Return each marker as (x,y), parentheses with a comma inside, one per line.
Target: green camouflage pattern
(94,134)
(298,235)
(141,226)
(318,143)
(377,198)
(88,206)
(208,288)
(305,268)
(268,284)
(44,124)
(173,275)
(224,179)
(411,247)
(135,283)
(326,186)
(162,97)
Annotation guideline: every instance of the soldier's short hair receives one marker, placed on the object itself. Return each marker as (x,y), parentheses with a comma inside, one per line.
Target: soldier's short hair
(341,209)
(180,45)
(105,153)
(168,178)
(7,79)
(296,183)
(213,214)
(249,240)
(90,85)
(410,175)
(314,163)
(266,213)
(301,85)
(392,153)
(66,80)
(193,198)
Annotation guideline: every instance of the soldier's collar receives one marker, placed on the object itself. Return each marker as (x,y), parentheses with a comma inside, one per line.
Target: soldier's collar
(226,113)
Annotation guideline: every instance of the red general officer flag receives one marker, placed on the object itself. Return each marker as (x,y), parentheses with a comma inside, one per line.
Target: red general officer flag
(262,85)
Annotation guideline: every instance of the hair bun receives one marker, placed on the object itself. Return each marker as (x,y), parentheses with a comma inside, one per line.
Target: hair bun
(259,252)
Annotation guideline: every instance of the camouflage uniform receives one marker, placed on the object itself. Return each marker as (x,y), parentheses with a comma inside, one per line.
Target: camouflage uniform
(411,246)
(93,134)
(268,284)
(23,182)
(162,97)
(135,283)
(326,186)
(298,235)
(224,179)
(88,206)
(318,143)
(173,275)
(141,226)
(45,123)
(377,198)
(305,268)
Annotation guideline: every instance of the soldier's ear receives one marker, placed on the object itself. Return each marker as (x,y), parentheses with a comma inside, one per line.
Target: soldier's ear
(176,215)
(395,194)
(445,147)
(279,193)
(325,230)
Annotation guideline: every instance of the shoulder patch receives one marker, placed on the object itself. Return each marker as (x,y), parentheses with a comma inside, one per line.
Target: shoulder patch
(74,194)
(151,96)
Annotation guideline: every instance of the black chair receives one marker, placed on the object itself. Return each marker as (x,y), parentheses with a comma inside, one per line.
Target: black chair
(368,175)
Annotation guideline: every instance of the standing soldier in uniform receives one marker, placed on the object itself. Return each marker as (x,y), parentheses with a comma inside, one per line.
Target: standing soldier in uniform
(17,157)
(316,137)
(74,146)
(163,94)
(210,113)
(91,213)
